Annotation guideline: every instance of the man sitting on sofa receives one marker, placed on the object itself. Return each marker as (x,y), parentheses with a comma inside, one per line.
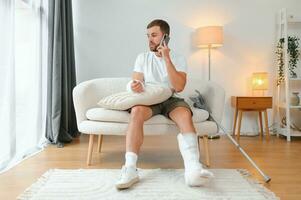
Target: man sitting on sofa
(162,66)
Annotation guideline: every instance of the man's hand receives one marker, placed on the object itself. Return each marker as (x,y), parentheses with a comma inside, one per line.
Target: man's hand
(136,86)
(164,50)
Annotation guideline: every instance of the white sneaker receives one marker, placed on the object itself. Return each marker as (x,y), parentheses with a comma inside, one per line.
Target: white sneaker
(129,176)
(196,178)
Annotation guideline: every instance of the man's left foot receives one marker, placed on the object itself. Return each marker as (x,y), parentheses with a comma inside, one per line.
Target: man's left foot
(128,177)
(196,178)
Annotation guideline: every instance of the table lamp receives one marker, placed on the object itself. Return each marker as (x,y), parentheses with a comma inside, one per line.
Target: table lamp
(259,82)
(209,37)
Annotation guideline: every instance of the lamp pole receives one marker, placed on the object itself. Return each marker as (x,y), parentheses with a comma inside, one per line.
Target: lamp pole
(209,61)
(216,136)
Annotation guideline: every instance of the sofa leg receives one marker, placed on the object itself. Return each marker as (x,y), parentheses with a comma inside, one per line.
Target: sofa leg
(90,149)
(199,138)
(206,150)
(99,143)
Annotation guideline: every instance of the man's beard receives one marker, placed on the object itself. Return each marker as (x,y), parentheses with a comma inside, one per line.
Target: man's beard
(154,49)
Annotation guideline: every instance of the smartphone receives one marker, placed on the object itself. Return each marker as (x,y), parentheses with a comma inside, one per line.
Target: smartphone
(165,39)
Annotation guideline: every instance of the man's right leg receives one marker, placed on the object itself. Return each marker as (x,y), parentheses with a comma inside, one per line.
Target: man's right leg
(134,135)
(134,140)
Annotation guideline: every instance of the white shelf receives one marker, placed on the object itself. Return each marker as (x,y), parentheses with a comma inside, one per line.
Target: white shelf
(295,79)
(296,20)
(295,107)
(283,93)
(295,133)
(283,105)
(293,19)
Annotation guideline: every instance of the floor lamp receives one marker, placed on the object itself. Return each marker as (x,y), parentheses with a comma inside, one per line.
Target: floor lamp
(209,37)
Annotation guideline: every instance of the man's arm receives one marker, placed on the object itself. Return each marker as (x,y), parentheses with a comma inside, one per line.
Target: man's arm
(177,79)
(138,76)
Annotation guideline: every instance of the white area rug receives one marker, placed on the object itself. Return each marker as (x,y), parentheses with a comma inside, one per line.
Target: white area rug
(160,184)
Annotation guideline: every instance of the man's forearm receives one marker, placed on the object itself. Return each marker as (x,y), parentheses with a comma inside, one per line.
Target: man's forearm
(177,79)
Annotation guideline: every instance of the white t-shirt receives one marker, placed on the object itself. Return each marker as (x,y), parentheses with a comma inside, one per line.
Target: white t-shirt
(154,67)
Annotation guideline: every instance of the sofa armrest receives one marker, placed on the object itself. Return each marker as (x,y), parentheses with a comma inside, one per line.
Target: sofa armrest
(84,97)
(88,93)
(214,96)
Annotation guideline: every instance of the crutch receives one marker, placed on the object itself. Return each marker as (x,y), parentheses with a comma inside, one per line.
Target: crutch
(266,177)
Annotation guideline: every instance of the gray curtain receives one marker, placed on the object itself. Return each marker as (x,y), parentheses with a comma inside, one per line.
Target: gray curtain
(61,123)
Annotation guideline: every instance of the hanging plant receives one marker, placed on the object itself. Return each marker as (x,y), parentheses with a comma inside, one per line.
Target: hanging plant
(280,63)
(293,51)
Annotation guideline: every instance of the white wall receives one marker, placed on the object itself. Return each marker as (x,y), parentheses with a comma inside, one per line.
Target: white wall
(109,34)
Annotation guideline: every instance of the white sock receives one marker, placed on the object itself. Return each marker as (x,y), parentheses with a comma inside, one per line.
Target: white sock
(130,159)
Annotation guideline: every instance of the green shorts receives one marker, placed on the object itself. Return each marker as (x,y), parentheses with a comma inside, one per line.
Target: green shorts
(167,106)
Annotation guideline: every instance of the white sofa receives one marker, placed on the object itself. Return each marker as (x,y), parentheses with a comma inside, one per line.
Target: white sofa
(93,120)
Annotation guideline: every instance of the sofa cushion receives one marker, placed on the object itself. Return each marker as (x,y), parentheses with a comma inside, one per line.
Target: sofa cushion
(107,115)
(112,128)
(152,94)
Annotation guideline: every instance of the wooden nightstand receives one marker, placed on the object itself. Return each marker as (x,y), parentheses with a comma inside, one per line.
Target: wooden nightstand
(259,104)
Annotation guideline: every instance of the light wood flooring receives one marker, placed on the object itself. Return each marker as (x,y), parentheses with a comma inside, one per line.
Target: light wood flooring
(281,160)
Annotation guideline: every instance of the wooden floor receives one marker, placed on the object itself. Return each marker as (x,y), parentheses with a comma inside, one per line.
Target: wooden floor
(279,159)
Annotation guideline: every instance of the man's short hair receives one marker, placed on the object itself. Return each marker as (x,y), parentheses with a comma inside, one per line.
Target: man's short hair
(164,27)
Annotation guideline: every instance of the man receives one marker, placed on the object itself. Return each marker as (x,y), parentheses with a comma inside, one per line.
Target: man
(162,66)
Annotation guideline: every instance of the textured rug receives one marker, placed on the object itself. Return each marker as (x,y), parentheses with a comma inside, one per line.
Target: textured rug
(163,184)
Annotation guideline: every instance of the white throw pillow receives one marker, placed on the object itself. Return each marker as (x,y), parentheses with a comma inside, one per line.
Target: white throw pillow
(152,94)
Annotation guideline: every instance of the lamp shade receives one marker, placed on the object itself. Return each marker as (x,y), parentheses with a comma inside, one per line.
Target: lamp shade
(260,81)
(209,36)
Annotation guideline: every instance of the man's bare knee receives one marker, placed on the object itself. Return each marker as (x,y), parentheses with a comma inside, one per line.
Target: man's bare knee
(180,113)
(183,118)
(141,112)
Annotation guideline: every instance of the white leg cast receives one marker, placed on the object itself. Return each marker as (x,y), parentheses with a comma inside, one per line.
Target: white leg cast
(195,175)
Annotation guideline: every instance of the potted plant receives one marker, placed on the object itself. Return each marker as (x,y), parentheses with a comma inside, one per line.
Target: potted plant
(280,62)
(293,52)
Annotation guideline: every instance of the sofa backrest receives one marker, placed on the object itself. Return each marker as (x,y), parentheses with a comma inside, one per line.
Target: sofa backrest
(213,93)
(93,90)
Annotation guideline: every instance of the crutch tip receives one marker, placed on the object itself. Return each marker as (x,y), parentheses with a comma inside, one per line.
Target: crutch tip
(267,179)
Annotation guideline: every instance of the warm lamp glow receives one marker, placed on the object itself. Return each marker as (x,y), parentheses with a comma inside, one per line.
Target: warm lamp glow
(209,37)
(260,81)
